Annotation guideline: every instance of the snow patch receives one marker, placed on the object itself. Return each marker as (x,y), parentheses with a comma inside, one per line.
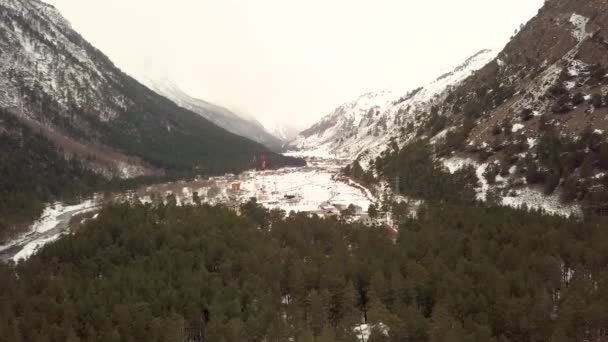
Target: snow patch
(364,331)
(517,127)
(580,27)
(54,216)
(535,199)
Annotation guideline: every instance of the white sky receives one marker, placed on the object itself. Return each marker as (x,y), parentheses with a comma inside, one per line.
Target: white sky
(293,61)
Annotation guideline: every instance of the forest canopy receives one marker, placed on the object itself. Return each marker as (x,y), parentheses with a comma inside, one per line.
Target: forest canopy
(456,273)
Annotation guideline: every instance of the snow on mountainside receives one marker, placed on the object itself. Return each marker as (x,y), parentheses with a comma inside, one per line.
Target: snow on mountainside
(44,54)
(243,126)
(536,118)
(533,121)
(58,84)
(364,127)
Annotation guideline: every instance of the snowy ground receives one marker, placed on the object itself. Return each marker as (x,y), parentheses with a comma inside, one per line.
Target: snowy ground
(51,226)
(317,188)
(533,199)
(311,187)
(364,331)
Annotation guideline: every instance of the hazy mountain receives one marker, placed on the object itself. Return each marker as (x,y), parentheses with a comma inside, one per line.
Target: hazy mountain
(281,130)
(71,121)
(56,82)
(237,124)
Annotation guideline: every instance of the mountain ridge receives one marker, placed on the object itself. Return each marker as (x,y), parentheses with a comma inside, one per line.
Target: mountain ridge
(365,126)
(221,116)
(55,78)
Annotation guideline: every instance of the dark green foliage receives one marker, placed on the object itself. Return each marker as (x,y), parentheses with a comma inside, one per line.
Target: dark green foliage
(422,177)
(435,124)
(496,130)
(32,172)
(562,105)
(558,90)
(596,100)
(597,72)
(176,139)
(372,211)
(455,139)
(602,159)
(456,272)
(491,172)
(578,98)
(526,114)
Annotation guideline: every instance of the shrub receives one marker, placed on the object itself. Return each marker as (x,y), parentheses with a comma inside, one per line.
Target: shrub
(496,130)
(544,122)
(602,157)
(578,99)
(597,72)
(551,182)
(570,189)
(526,114)
(507,127)
(596,100)
(491,172)
(533,174)
(558,90)
(562,105)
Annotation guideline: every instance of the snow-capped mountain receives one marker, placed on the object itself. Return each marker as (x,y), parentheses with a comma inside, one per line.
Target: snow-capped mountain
(54,81)
(244,126)
(364,127)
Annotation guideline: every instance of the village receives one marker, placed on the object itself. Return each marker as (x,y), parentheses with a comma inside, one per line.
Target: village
(315,189)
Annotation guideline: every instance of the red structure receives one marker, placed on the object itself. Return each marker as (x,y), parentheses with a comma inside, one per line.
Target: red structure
(263,163)
(236,186)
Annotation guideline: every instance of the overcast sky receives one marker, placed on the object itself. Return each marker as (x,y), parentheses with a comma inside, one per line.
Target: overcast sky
(293,61)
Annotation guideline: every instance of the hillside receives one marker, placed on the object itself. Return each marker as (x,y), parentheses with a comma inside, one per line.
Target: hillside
(532,121)
(71,121)
(456,273)
(364,127)
(246,127)
(56,81)
(537,115)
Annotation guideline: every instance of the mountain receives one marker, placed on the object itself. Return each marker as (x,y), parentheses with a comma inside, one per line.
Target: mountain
(243,126)
(364,127)
(284,131)
(59,84)
(533,122)
(71,121)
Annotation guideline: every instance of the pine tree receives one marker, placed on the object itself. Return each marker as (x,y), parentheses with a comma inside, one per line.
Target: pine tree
(372,211)
(317,313)
(376,310)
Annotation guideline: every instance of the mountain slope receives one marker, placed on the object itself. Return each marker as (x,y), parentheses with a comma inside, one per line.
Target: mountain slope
(367,124)
(246,127)
(71,122)
(534,120)
(55,80)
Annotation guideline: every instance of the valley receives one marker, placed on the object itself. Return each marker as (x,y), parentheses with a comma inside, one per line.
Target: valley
(467,205)
(318,188)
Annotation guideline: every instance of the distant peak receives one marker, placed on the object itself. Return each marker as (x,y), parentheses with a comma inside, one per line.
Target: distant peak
(482,54)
